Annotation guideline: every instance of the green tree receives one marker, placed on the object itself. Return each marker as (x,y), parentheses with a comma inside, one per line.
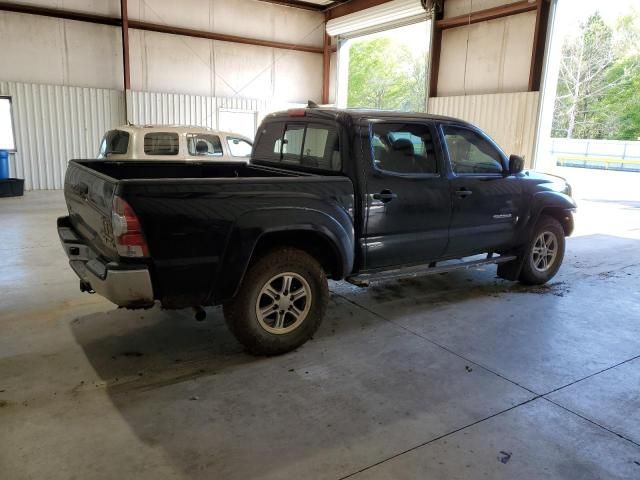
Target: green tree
(386,75)
(597,93)
(583,67)
(622,100)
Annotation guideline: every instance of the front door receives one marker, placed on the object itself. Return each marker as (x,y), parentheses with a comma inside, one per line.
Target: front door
(407,196)
(485,202)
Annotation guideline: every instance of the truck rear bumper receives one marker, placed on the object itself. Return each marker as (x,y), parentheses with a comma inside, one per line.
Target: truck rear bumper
(125,285)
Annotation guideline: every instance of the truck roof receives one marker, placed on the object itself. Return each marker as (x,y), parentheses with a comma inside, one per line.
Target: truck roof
(180,129)
(355,113)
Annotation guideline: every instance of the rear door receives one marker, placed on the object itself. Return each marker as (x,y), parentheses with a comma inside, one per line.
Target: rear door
(486,203)
(408,203)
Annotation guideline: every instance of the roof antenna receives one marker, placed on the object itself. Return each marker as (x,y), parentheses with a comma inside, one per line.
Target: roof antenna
(312,104)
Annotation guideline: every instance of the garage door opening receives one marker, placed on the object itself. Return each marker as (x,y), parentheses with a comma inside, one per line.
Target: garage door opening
(385,70)
(590,120)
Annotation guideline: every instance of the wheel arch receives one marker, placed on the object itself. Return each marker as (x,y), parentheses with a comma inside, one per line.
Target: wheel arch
(554,204)
(329,240)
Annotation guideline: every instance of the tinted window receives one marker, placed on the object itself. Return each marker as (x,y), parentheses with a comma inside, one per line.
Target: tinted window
(292,143)
(405,148)
(269,142)
(310,145)
(114,142)
(161,143)
(470,153)
(204,145)
(239,147)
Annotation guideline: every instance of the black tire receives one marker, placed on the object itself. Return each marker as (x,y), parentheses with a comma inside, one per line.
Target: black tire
(241,313)
(540,274)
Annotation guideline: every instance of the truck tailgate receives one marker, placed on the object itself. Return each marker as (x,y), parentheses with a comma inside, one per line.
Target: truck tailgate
(89,197)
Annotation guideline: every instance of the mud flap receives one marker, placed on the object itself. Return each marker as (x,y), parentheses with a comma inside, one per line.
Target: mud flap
(511,270)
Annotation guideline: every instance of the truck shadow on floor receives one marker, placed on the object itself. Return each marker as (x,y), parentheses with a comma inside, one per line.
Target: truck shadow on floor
(319,412)
(142,349)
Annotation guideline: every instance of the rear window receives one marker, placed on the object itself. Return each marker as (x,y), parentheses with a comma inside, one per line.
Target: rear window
(161,143)
(204,145)
(114,142)
(308,145)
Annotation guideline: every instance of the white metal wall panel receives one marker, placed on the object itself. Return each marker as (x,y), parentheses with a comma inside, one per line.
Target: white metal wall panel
(55,123)
(179,109)
(509,118)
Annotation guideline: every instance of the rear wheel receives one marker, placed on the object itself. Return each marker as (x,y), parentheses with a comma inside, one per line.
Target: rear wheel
(281,302)
(544,253)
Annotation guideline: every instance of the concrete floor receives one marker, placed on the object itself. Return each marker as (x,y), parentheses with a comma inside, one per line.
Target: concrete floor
(455,376)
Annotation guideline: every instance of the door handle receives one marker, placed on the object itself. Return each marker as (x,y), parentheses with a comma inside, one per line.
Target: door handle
(385,196)
(463,192)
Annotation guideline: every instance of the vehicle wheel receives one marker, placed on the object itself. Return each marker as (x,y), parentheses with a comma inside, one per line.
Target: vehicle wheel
(281,302)
(544,253)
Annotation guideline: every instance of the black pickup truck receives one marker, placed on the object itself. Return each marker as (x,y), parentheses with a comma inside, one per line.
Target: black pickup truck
(329,193)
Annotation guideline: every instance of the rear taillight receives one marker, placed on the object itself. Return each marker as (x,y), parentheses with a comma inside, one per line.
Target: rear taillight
(127,231)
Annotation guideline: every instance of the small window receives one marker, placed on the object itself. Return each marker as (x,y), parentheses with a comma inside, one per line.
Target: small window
(404,148)
(470,153)
(292,143)
(269,142)
(161,143)
(7,137)
(238,147)
(205,145)
(114,142)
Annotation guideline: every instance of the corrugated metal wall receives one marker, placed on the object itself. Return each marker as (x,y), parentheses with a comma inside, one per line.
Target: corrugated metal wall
(509,118)
(55,123)
(179,109)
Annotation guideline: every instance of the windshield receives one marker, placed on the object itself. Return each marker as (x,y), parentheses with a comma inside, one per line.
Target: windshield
(114,142)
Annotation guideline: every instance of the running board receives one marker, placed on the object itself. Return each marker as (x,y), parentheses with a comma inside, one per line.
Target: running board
(363,279)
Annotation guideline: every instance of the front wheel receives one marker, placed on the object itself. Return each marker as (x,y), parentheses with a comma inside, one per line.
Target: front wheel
(544,253)
(281,302)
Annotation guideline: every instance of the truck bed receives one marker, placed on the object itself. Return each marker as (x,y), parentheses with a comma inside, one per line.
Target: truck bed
(201,220)
(132,170)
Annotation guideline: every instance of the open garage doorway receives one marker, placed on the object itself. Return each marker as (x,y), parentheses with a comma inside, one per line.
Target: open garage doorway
(385,70)
(590,118)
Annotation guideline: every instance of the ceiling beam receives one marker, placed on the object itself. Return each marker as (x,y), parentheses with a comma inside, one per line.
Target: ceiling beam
(57,13)
(488,14)
(222,37)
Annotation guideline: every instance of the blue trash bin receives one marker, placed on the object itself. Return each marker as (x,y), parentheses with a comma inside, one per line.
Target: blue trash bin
(4,164)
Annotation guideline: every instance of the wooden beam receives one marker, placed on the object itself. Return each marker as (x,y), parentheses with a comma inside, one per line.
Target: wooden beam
(151,27)
(539,43)
(488,14)
(125,45)
(57,13)
(436,47)
(188,32)
(326,68)
(351,6)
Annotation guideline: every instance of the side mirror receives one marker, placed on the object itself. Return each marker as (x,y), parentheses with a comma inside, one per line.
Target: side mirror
(516,164)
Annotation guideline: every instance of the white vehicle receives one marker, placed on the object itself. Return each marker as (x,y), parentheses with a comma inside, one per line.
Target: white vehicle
(167,142)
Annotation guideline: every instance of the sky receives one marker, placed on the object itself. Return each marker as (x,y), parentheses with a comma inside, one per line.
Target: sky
(572,12)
